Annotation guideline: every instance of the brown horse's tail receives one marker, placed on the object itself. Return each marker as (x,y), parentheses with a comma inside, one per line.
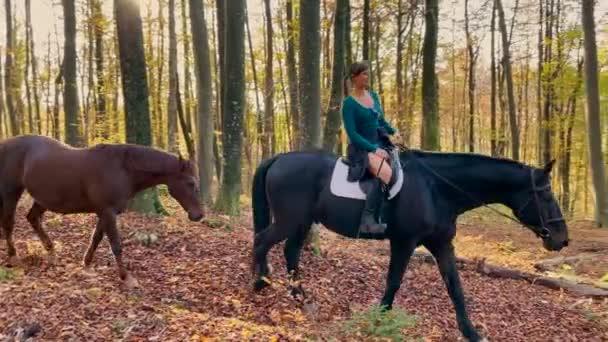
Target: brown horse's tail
(259,200)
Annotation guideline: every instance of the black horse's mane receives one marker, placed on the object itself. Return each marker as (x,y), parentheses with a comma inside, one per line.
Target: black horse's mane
(404,153)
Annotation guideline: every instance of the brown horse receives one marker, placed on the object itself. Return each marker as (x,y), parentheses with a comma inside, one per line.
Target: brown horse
(101,180)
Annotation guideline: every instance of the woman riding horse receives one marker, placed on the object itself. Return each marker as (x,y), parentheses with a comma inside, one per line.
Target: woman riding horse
(369,143)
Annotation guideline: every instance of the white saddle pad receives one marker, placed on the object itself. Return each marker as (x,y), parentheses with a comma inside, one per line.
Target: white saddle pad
(341,187)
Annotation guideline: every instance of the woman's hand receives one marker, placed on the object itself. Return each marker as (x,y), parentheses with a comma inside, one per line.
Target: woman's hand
(382,153)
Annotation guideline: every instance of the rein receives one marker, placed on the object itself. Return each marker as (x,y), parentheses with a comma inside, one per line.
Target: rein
(542,231)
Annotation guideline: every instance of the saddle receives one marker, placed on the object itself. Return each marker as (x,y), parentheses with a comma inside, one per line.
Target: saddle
(340,186)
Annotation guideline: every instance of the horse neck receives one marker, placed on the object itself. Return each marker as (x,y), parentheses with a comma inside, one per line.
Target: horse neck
(482,180)
(148,167)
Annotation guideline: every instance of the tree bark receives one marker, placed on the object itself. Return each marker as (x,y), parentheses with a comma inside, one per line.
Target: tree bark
(493,133)
(430,127)
(309,83)
(292,73)
(234,99)
(269,146)
(204,96)
(472,55)
(594,137)
(539,84)
(8,71)
(71,104)
(102,119)
(158,120)
(258,110)
(332,124)
(172,139)
(509,78)
(366,9)
(548,83)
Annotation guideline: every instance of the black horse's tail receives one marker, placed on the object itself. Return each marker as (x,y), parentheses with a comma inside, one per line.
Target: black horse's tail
(259,201)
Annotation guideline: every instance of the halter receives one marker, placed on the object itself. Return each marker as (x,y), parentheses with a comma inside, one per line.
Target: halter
(542,231)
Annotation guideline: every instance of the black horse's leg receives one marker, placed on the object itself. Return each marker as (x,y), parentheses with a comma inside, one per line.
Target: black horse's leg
(107,219)
(292,251)
(9,204)
(401,251)
(96,238)
(34,217)
(446,261)
(263,242)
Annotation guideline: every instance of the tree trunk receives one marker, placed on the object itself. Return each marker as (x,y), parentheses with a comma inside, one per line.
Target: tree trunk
(135,89)
(221,42)
(270,143)
(548,82)
(172,139)
(430,126)
(472,54)
(181,114)
(234,99)
(256,88)
(366,9)
(567,150)
(493,133)
(102,119)
(310,92)
(28,90)
(399,65)
(204,96)
(218,58)
(158,120)
(539,84)
(347,42)
(292,73)
(70,93)
(8,71)
(509,78)
(3,117)
(186,37)
(593,115)
(332,125)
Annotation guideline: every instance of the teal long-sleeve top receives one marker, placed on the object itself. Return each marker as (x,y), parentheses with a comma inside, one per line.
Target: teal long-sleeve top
(361,122)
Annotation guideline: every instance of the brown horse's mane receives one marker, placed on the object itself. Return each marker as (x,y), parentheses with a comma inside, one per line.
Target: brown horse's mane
(139,158)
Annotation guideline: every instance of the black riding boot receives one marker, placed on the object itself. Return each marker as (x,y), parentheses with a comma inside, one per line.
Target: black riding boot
(372,203)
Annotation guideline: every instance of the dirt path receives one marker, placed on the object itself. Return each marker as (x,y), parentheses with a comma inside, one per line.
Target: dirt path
(195,283)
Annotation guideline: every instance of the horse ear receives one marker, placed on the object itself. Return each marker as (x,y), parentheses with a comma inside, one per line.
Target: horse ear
(547,169)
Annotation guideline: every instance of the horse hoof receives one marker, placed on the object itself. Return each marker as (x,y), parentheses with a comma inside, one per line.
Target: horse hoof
(260,284)
(130,282)
(297,292)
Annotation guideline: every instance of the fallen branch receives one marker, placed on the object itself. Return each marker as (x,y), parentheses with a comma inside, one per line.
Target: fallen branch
(553,283)
(551,264)
(502,272)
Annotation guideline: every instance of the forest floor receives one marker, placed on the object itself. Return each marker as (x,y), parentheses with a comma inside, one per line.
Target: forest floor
(195,284)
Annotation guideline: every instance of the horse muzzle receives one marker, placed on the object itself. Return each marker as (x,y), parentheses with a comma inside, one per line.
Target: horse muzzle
(195,217)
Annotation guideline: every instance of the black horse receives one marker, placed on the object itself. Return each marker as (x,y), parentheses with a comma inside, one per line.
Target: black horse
(438,187)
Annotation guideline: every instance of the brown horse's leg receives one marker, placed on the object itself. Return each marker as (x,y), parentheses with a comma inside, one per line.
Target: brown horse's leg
(108,221)
(34,217)
(9,204)
(96,238)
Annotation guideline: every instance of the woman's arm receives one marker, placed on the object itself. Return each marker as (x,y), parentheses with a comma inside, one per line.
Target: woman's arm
(348,117)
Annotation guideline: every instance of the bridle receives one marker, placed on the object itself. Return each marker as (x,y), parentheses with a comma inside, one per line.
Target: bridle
(542,231)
